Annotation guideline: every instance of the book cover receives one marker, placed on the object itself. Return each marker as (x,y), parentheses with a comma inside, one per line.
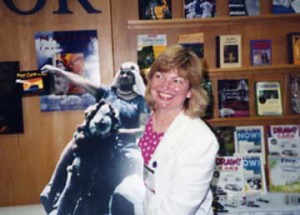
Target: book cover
(293,43)
(261,52)
(294,83)
(285,6)
(225,136)
(244,7)
(149,47)
(284,174)
(194,42)
(34,82)
(254,174)
(76,52)
(228,51)
(155,9)
(199,9)
(228,179)
(233,97)
(268,98)
(207,86)
(249,140)
(11,111)
(284,140)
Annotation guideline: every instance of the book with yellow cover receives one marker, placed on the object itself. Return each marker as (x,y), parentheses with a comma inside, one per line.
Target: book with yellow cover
(294,47)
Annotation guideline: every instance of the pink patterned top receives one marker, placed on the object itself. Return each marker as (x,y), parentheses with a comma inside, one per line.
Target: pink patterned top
(149,141)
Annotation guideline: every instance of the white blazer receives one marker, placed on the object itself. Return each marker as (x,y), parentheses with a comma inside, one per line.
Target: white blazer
(178,176)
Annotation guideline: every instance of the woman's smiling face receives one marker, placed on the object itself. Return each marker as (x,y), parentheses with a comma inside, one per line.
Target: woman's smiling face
(169,90)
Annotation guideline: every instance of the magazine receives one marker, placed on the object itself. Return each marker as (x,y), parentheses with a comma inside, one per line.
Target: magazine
(284,140)
(199,9)
(225,136)
(261,52)
(194,42)
(294,81)
(284,174)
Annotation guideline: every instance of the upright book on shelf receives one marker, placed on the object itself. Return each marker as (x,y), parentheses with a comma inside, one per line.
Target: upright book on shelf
(284,140)
(293,43)
(155,9)
(199,9)
(233,97)
(294,83)
(268,98)
(261,52)
(284,174)
(194,42)
(228,51)
(244,7)
(285,6)
(225,136)
(249,140)
(254,174)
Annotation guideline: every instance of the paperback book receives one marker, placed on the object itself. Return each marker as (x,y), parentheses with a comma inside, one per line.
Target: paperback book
(294,81)
(249,140)
(228,177)
(194,42)
(155,9)
(244,7)
(293,43)
(284,174)
(254,174)
(284,140)
(285,6)
(207,86)
(233,97)
(225,136)
(268,98)
(261,52)
(199,9)
(228,51)
(149,47)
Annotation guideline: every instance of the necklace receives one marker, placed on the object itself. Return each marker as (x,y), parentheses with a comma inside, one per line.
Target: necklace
(126,95)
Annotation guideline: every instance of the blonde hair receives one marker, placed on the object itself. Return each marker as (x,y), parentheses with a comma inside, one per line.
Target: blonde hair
(190,67)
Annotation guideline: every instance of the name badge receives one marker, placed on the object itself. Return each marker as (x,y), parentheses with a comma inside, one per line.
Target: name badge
(149,178)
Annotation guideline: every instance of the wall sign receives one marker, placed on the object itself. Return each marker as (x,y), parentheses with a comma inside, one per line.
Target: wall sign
(63,7)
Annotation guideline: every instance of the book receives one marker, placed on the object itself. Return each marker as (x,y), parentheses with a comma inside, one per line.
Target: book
(254,174)
(199,9)
(249,140)
(244,7)
(294,83)
(268,98)
(155,9)
(228,177)
(284,140)
(233,97)
(194,42)
(284,174)
(34,82)
(11,110)
(293,43)
(285,6)
(261,52)
(228,51)
(225,136)
(149,47)
(207,86)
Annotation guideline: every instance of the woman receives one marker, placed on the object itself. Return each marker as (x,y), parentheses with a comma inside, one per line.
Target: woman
(178,148)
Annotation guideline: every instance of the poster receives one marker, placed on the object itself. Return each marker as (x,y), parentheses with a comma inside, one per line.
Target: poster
(11,114)
(73,51)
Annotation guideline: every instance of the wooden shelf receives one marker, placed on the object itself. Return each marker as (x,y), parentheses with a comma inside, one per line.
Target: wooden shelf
(255,120)
(216,21)
(275,69)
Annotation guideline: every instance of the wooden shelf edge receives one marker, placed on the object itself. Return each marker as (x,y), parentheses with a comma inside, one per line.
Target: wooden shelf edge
(257,120)
(275,69)
(215,21)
